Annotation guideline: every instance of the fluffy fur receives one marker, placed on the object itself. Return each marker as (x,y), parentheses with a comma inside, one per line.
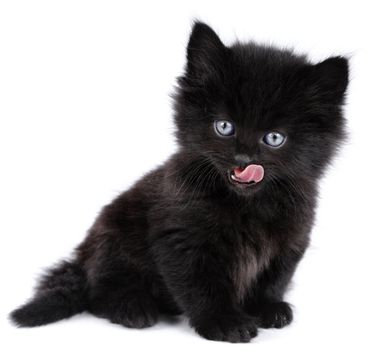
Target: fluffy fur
(184,239)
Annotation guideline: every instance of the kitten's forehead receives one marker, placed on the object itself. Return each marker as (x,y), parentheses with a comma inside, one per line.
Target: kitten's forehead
(260,77)
(262,70)
(265,58)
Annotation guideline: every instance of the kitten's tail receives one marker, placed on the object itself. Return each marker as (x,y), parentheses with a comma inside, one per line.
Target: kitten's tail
(61,293)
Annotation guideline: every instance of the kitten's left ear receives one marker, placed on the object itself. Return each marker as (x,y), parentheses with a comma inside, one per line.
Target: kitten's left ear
(331,78)
(205,52)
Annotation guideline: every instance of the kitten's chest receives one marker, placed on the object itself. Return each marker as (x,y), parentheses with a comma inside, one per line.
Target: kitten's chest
(255,249)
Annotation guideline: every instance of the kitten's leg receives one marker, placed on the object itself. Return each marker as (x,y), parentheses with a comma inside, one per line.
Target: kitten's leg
(196,274)
(268,305)
(123,297)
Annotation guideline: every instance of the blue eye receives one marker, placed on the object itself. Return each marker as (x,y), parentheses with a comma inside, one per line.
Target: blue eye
(274,139)
(224,128)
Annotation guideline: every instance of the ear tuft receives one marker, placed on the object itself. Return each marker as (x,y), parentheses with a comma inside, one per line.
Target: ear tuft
(332,77)
(205,51)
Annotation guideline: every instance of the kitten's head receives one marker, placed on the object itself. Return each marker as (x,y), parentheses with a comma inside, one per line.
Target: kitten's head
(258,113)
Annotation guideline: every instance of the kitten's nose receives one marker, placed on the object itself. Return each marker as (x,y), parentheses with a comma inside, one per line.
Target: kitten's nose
(242,160)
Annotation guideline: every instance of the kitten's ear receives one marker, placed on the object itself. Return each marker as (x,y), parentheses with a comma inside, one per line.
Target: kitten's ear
(330,79)
(205,51)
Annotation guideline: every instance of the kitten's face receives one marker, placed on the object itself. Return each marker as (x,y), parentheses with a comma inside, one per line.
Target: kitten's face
(259,114)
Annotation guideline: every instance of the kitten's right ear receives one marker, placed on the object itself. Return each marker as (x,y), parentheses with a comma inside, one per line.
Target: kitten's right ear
(205,52)
(330,78)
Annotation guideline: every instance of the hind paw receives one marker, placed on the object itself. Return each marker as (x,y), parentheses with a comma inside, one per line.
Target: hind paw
(136,313)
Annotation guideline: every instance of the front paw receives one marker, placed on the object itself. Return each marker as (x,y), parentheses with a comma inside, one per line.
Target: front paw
(275,315)
(239,329)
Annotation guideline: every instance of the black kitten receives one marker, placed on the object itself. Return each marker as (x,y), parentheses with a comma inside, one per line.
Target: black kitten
(218,230)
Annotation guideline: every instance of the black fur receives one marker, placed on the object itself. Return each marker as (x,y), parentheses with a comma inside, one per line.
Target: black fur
(184,239)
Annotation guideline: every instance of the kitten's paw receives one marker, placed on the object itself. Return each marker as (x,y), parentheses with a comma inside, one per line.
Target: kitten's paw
(136,313)
(238,330)
(275,315)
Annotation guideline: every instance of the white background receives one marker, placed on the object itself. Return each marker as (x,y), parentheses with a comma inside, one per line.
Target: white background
(85,111)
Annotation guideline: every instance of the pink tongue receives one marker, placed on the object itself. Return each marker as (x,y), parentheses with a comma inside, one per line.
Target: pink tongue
(252,172)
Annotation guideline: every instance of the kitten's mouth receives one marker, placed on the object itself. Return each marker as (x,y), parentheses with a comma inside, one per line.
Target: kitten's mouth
(249,176)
